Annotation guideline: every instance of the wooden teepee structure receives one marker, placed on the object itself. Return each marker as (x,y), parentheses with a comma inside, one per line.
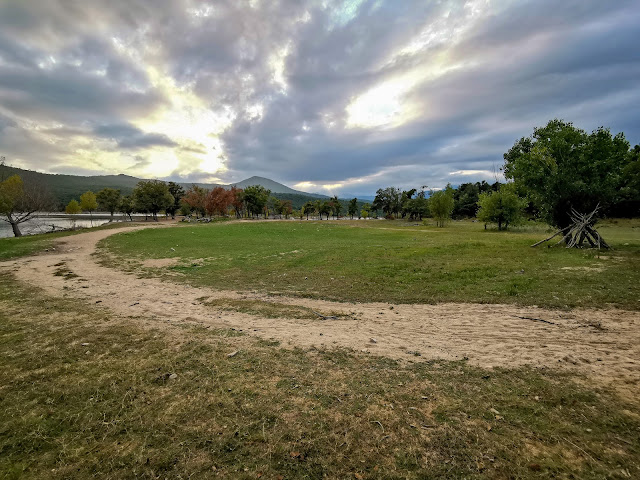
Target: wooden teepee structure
(580,230)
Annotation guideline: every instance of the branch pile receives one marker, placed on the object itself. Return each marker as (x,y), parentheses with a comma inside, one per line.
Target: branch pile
(581,230)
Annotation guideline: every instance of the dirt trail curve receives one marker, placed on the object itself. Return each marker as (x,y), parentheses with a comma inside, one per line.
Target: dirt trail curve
(604,344)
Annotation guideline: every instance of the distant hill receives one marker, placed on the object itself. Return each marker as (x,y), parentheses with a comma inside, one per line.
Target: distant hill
(275,187)
(67,187)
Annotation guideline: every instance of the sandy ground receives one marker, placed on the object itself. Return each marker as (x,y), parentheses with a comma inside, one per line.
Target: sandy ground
(603,344)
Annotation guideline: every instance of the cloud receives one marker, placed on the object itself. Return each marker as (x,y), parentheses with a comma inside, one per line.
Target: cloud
(342,96)
(129,137)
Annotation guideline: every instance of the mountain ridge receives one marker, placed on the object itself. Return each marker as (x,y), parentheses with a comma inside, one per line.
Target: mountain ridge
(66,187)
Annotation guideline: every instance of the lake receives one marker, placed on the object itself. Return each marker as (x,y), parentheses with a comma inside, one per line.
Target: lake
(45,223)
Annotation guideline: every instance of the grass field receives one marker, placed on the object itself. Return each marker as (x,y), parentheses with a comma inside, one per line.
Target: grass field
(86,395)
(393,261)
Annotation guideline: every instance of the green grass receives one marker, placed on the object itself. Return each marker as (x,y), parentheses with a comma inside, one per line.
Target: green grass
(86,395)
(394,262)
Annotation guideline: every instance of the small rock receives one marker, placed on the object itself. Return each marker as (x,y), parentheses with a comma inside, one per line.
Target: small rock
(373,340)
(173,249)
(589,430)
(232,354)
(84,344)
(173,376)
(493,410)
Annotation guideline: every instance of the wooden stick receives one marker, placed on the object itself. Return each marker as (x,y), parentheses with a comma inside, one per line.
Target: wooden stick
(534,319)
(546,239)
(324,317)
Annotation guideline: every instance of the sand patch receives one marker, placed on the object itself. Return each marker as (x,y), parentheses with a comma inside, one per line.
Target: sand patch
(603,344)
(160,262)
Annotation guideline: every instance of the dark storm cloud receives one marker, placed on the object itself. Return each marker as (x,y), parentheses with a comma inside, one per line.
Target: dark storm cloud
(524,69)
(128,136)
(286,71)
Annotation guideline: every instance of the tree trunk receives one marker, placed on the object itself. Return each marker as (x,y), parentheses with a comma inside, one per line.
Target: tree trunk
(16,229)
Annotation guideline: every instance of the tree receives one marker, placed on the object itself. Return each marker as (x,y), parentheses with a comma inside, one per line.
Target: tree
(325,208)
(256,197)
(365,210)
(238,201)
(560,167)
(286,208)
(389,200)
(352,208)
(336,206)
(177,192)
(152,196)
(415,207)
(503,207)
(127,205)
(441,205)
(109,200)
(218,201)
(73,208)
(89,203)
(628,202)
(20,202)
(196,198)
(308,207)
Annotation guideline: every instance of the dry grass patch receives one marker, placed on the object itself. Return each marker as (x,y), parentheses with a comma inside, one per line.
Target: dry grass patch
(88,395)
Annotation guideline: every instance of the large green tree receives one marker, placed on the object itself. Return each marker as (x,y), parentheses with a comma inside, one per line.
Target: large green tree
(256,198)
(628,203)
(389,200)
(109,200)
(502,207)
(177,191)
(560,167)
(152,196)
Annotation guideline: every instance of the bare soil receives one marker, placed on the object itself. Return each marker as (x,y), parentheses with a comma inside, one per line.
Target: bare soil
(604,344)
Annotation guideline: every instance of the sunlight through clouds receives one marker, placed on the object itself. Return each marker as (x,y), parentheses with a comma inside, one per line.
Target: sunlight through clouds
(336,96)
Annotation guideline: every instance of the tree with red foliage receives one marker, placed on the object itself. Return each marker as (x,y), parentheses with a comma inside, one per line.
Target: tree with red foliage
(196,197)
(218,201)
(238,201)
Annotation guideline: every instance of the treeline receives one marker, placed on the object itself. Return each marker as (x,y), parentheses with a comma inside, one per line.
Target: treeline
(153,197)
(558,169)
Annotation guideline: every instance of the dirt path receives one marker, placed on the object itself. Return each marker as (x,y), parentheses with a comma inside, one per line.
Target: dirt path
(604,344)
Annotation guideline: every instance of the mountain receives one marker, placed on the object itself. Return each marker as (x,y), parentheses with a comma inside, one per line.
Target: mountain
(67,187)
(275,187)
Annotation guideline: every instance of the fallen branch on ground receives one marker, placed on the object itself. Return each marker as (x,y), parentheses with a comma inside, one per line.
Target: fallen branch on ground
(535,319)
(325,317)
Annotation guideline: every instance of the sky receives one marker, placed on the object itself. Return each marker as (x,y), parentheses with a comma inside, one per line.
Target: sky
(329,96)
